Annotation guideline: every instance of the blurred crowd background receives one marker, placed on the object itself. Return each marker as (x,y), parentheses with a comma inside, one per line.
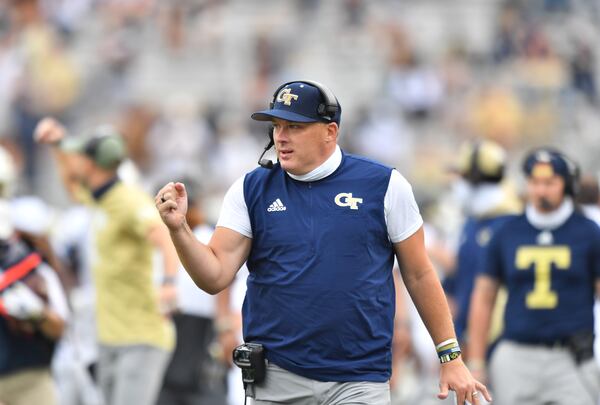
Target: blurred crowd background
(180,79)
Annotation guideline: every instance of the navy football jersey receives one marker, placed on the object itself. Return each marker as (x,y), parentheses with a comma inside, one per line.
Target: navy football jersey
(322,305)
(549,276)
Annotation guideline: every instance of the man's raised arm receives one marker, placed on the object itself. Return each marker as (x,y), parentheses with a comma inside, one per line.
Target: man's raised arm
(212,266)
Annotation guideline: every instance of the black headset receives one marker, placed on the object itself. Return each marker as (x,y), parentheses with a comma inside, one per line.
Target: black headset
(573,170)
(267,163)
(572,186)
(326,110)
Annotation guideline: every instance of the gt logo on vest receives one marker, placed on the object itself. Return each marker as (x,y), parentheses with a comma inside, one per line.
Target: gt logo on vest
(346,200)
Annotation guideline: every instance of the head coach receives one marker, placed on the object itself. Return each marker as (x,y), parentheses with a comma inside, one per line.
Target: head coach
(319,230)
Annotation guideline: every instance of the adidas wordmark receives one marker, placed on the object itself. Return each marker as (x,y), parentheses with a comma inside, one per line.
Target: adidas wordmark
(276,205)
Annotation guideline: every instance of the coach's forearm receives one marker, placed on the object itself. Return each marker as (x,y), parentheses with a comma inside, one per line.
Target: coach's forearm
(428,296)
(199,260)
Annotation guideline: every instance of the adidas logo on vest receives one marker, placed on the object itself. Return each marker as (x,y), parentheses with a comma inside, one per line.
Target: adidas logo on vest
(276,205)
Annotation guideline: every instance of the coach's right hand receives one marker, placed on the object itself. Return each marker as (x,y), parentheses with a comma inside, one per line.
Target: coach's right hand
(172,205)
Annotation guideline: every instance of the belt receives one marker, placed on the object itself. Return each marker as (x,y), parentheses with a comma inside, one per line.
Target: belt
(551,344)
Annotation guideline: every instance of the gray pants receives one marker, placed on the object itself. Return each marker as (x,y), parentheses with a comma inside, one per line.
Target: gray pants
(283,387)
(131,374)
(535,375)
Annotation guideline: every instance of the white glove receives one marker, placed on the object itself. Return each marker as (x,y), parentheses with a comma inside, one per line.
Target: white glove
(22,303)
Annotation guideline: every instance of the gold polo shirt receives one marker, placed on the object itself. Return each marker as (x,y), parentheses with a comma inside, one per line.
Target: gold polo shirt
(127,305)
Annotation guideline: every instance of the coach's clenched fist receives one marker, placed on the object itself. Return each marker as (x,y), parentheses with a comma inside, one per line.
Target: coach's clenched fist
(172,205)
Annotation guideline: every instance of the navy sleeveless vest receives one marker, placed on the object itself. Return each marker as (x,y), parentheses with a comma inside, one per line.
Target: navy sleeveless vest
(321,295)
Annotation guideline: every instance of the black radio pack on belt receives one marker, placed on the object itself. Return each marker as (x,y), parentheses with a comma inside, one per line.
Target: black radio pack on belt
(250,357)
(581,346)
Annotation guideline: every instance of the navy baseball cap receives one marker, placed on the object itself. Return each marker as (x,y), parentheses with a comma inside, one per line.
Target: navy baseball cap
(547,162)
(301,102)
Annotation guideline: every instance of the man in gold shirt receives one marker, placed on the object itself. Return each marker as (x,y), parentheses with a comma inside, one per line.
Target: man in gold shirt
(135,337)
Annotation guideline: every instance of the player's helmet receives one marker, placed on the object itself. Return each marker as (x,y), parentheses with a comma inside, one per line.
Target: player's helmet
(481,161)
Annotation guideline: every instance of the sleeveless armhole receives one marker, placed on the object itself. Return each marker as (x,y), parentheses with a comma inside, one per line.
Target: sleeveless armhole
(234,212)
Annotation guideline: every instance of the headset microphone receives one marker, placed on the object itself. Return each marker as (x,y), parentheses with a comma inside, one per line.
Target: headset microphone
(266,163)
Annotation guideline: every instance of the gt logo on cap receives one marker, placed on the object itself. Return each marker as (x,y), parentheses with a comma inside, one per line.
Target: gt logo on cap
(286,96)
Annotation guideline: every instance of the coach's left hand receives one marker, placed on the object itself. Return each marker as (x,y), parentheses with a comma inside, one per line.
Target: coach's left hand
(455,376)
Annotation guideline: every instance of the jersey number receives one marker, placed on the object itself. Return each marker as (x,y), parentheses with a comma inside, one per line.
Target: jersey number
(542,258)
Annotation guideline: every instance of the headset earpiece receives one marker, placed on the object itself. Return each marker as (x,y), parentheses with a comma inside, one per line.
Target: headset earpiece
(572,181)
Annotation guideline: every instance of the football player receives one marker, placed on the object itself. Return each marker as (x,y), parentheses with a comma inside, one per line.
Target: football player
(549,260)
(487,203)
